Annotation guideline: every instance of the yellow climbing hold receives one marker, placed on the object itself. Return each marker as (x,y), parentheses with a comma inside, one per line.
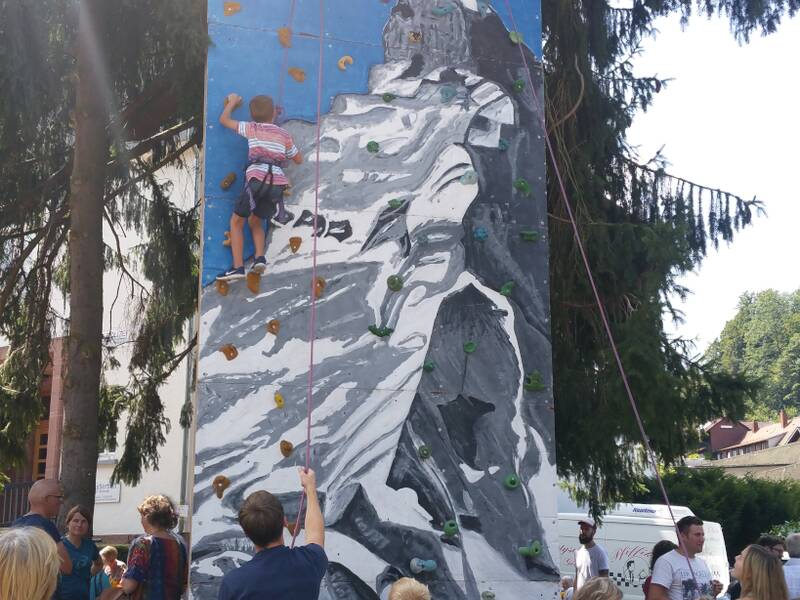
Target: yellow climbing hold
(253,281)
(226,242)
(230,351)
(344,62)
(297,74)
(220,484)
(222,287)
(231,8)
(285,37)
(279,401)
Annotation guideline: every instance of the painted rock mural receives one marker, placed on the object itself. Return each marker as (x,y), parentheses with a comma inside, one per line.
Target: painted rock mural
(432,425)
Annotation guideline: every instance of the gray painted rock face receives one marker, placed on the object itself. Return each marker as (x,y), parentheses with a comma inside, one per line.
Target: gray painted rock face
(435,205)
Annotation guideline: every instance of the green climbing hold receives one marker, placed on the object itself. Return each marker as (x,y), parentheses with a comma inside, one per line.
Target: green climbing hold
(533,382)
(518,86)
(507,288)
(395,283)
(387,97)
(428,366)
(424,452)
(529,235)
(535,549)
(373,147)
(503,144)
(515,37)
(511,482)
(487,595)
(381,331)
(470,347)
(522,186)
(450,528)
(395,203)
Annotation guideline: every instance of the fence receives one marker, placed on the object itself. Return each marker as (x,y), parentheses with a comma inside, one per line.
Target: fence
(14,502)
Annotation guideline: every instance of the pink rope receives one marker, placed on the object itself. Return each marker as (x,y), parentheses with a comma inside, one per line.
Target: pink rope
(312,324)
(603,316)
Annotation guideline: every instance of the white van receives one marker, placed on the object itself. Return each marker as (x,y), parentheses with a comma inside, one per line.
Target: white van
(628,534)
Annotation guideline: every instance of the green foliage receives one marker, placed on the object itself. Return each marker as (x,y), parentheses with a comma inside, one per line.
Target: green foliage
(763,341)
(745,507)
(785,529)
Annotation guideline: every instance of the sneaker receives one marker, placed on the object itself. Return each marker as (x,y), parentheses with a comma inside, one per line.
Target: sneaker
(259,265)
(231,274)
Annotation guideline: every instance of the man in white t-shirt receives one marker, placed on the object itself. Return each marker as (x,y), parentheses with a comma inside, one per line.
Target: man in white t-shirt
(791,570)
(673,578)
(591,559)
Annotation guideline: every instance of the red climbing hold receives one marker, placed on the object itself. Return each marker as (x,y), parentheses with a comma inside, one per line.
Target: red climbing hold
(274,326)
(286,448)
(220,484)
(319,287)
(230,351)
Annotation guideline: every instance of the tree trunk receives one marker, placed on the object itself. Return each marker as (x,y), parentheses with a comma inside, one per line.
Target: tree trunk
(84,344)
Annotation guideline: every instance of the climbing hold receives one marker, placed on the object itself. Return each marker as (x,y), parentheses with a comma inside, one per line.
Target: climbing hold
(285,37)
(441,11)
(428,366)
(469,177)
(503,144)
(515,37)
(230,351)
(518,86)
(470,347)
(522,186)
(287,191)
(419,565)
(395,283)
(381,331)
(286,448)
(228,181)
(487,595)
(231,8)
(424,452)
(388,97)
(480,233)
(227,240)
(220,484)
(484,8)
(529,235)
(297,74)
(511,481)
(533,382)
(290,527)
(507,288)
(319,287)
(447,92)
(535,549)
(344,62)
(253,281)
(222,287)
(373,147)
(395,203)
(279,401)
(274,327)
(294,243)
(450,528)
(415,37)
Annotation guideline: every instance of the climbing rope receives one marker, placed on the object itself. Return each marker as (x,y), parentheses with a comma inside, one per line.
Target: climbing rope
(312,322)
(601,308)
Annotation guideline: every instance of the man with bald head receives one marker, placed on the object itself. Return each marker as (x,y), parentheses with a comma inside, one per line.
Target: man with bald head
(45,498)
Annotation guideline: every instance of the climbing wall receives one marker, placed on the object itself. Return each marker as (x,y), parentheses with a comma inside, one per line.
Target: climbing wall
(432,425)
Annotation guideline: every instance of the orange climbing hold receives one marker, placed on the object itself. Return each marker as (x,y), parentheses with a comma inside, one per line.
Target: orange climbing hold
(294,244)
(228,181)
(230,351)
(285,37)
(344,62)
(226,242)
(253,281)
(274,326)
(286,448)
(319,287)
(222,287)
(231,8)
(298,74)
(220,484)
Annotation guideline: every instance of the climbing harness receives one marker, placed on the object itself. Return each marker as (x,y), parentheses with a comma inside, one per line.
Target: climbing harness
(280,215)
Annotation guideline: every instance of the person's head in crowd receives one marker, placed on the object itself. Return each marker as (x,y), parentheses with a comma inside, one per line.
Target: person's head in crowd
(109,556)
(772,543)
(79,522)
(691,535)
(406,588)
(659,550)
(45,498)
(587,529)
(158,514)
(793,545)
(761,574)
(28,564)
(567,582)
(262,519)
(598,588)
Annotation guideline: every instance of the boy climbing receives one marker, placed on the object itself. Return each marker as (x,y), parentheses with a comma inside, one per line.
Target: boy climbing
(269,146)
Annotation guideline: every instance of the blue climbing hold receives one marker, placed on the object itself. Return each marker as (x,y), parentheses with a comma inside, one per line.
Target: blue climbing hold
(469,177)
(419,565)
(448,92)
(503,144)
(480,233)
(441,11)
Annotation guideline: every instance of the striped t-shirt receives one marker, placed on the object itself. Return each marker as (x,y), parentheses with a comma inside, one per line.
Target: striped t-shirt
(267,141)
